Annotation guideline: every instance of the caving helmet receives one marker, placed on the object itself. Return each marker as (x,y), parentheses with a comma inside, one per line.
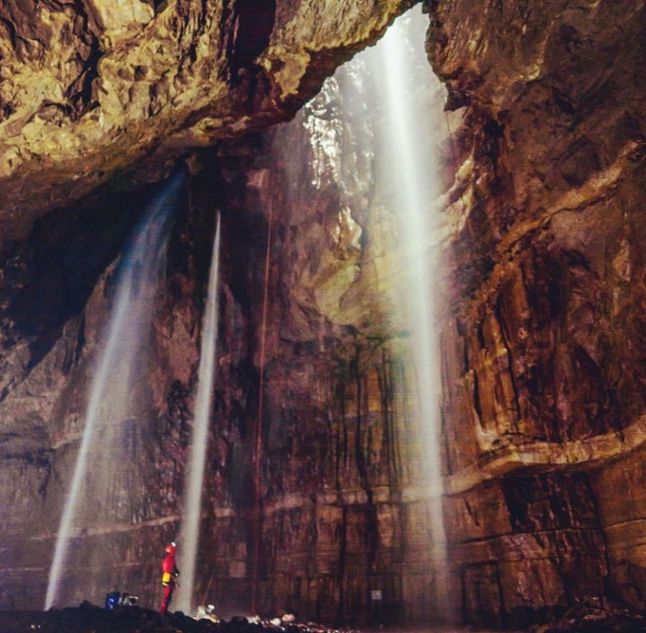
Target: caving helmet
(170,549)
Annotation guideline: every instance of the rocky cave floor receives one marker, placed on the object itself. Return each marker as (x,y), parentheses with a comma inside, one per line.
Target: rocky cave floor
(88,618)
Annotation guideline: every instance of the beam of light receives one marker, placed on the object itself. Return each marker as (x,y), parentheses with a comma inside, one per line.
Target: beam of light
(110,407)
(411,167)
(190,532)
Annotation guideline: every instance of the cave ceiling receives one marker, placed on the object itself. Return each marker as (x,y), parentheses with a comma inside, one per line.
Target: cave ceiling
(98,91)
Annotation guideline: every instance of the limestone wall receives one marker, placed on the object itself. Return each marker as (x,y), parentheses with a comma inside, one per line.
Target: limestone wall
(543,351)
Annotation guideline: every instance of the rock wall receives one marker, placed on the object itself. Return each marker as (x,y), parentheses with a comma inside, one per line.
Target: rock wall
(541,338)
(344,513)
(57,292)
(115,112)
(542,345)
(310,378)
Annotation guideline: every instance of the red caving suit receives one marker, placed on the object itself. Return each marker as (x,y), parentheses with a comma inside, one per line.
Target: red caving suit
(169,573)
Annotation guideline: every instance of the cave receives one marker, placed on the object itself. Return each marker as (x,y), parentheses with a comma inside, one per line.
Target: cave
(325,490)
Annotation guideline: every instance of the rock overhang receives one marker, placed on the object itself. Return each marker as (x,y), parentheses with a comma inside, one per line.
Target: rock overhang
(100,90)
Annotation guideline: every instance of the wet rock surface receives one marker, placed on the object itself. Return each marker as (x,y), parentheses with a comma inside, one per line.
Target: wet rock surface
(542,345)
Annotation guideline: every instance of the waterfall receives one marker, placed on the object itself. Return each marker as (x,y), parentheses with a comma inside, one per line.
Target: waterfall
(189,536)
(111,490)
(408,163)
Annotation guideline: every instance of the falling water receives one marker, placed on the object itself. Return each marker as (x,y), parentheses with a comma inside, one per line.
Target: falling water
(111,436)
(189,537)
(410,167)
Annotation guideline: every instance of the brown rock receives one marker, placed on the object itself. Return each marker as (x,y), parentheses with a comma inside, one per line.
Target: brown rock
(548,401)
(99,90)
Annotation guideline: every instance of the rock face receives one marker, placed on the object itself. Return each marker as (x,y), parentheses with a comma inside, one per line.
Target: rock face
(90,88)
(345,520)
(310,384)
(543,341)
(315,498)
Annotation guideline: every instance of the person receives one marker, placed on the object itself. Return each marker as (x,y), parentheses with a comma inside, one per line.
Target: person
(169,574)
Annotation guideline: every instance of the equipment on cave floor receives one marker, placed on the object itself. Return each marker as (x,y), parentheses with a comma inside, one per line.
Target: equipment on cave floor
(207,613)
(117,599)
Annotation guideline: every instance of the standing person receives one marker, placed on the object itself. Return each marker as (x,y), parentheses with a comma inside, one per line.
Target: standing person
(169,573)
